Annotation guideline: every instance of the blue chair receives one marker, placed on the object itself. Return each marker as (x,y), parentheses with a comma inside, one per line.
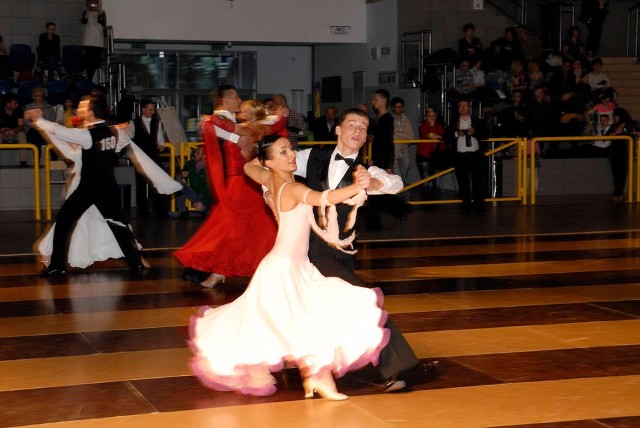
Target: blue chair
(82,88)
(57,91)
(6,86)
(23,60)
(73,61)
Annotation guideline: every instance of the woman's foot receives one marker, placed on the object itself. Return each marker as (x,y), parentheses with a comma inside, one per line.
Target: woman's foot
(213,280)
(324,386)
(145,263)
(45,261)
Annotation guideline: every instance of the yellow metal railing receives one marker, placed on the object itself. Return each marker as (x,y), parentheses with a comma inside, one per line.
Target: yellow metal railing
(47,180)
(510,142)
(36,172)
(612,138)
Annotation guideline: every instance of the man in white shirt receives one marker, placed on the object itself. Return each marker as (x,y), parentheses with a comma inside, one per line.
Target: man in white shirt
(331,169)
(147,132)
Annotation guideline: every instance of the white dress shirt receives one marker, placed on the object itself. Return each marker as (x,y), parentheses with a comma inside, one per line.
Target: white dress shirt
(391,183)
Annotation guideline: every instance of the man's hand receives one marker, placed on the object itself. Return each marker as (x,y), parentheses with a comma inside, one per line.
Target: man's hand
(362,177)
(33,114)
(246,145)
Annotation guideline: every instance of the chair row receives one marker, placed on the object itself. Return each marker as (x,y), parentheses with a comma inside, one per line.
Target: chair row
(57,90)
(22,61)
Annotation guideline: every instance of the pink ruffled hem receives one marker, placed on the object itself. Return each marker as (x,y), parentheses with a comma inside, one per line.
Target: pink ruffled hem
(200,367)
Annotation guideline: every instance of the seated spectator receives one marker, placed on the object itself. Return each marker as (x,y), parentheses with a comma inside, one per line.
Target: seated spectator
(12,126)
(510,121)
(195,186)
(505,49)
(324,127)
(429,156)
(69,113)
(39,101)
(469,47)
(530,45)
(562,80)
(604,107)
(536,76)
(517,77)
(541,114)
(573,46)
(599,148)
(597,80)
(49,58)
(570,109)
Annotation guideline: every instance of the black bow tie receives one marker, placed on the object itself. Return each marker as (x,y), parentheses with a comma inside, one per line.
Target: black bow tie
(342,158)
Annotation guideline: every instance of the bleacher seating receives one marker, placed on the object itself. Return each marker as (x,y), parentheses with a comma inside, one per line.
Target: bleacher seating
(23,60)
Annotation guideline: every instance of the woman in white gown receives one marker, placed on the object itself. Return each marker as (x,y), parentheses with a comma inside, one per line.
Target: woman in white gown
(92,239)
(290,312)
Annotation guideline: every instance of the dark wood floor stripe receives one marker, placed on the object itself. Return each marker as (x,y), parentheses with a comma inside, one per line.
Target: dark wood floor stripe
(42,346)
(186,393)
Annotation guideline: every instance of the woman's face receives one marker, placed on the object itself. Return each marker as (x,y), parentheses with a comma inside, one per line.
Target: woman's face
(282,156)
(431,116)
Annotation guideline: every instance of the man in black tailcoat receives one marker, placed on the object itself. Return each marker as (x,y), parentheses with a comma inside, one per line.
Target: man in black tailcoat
(330,169)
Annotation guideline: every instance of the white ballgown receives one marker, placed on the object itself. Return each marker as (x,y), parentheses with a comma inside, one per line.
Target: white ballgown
(289,313)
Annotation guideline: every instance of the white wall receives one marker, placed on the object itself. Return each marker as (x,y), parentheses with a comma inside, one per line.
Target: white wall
(282,21)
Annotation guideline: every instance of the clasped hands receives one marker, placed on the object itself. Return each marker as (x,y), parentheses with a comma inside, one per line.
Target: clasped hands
(362,177)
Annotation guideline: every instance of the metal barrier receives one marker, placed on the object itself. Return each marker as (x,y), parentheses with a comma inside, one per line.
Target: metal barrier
(510,142)
(47,180)
(36,172)
(612,138)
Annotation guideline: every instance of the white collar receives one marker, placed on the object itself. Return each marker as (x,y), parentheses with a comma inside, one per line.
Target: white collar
(336,151)
(225,113)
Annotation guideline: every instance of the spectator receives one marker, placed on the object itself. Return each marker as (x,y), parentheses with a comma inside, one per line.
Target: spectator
(49,51)
(33,135)
(402,130)
(195,185)
(593,14)
(469,47)
(511,121)
(536,76)
(562,80)
(429,156)
(464,138)
(530,45)
(517,78)
(505,49)
(94,20)
(12,125)
(324,128)
(550,22)
(296,125)
(146,131)
(382,151)
(597,80)
(573,46)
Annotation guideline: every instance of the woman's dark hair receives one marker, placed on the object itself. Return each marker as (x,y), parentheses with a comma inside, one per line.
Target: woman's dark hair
(262,147)
(623,115)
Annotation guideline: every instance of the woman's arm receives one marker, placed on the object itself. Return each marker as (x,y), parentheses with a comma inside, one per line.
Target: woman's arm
(256,172)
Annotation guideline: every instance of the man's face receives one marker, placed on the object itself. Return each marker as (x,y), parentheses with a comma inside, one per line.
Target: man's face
(83,111)
(148,110)
(279,101)
(398,108)
(11,105)
(51,29)
(378,101)
(352,134)
(231,101)
(463,108)
(604,121)
(198,155)
(331,114)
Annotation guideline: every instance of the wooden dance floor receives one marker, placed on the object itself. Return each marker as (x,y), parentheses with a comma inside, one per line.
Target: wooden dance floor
(533,314)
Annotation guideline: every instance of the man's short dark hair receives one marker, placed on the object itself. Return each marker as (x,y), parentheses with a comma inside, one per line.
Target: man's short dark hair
(397,100)
(355,111)
(146,101)
(221,91)
(99,107)
(469,26)
(384,94)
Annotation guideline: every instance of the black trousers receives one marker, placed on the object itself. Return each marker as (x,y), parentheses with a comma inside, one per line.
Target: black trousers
(92,60)
(147,197)
(395,358)
(106,198)
(619,166)
(470,167)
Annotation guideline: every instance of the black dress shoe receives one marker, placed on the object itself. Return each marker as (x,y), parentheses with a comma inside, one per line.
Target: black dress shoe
(393,384)
(53,271)
(428,370)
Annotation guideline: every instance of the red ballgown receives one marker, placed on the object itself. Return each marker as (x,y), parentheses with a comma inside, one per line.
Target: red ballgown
(241,229)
